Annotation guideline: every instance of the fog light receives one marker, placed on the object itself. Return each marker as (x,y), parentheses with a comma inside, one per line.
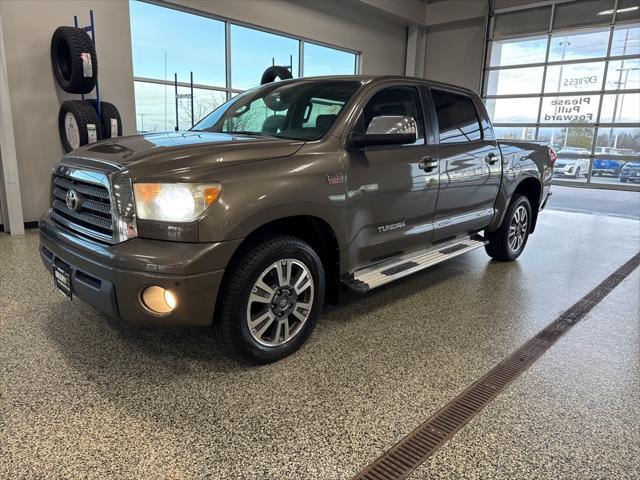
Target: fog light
(159,300)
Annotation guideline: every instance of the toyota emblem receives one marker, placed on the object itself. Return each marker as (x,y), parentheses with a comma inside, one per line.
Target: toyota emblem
(72,200)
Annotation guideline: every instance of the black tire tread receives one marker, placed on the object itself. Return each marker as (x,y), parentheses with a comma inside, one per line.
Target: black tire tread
(79,42)
(276,71)
(225,324)
(85,114)
(107,112)
(498,246)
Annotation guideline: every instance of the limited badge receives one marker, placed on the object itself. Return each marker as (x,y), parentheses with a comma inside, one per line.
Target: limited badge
(336,178)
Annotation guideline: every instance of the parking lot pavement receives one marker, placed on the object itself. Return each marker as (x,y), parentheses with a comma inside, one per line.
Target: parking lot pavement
(595,201)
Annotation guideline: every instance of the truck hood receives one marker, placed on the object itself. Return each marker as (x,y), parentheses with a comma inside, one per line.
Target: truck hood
(174,152)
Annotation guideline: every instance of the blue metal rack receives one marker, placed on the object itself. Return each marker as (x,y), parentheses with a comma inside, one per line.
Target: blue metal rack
(91,30)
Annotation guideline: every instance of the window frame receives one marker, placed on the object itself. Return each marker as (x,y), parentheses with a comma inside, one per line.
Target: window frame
(611,24)
(228,22)
(363,102)
(437,123)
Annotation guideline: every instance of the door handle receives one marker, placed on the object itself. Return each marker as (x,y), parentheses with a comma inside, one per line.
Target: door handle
(491,158)
(428,164)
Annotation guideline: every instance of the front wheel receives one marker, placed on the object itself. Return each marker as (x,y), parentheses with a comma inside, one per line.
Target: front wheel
(271,299)
(508,241)
(577,175)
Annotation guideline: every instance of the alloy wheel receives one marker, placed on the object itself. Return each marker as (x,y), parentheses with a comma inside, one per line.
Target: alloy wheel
(518,228)
(280,302)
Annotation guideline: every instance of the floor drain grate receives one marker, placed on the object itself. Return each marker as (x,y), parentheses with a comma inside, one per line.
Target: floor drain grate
(415,448)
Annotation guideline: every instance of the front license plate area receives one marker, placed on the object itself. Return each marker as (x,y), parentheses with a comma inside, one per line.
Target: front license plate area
(62,280)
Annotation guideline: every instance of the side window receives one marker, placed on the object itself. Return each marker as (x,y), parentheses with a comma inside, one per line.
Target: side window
(393,101)
(457,117)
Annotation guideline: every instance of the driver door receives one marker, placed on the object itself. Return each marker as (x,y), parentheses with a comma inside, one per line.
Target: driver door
(392,189)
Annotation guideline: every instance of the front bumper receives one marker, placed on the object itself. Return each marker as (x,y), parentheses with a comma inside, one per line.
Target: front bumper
(564,172)
(112,277)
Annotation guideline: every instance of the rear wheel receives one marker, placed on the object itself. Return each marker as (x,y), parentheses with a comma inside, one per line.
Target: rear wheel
(508,241)
(577,175)
(271,300)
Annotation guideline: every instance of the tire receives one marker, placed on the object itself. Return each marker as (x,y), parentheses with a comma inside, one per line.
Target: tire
(109,119)
(267,342)
(499,247)
(74,60)
(577,174)
(78,124)
(271,73)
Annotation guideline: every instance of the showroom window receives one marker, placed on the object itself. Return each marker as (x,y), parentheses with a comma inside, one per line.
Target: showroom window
(226,58)
(568,74)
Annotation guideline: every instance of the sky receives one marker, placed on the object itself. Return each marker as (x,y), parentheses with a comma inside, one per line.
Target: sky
(167,41)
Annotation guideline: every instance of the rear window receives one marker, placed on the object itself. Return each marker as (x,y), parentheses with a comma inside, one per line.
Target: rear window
(457,117)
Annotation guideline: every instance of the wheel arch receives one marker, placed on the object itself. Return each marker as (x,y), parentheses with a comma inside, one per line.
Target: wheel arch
(311,229)
(530,187)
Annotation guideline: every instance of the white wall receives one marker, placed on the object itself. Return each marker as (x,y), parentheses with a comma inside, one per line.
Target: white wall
(35,96)
(454,53)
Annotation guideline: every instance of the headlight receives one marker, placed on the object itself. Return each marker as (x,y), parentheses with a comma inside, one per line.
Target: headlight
(174,202)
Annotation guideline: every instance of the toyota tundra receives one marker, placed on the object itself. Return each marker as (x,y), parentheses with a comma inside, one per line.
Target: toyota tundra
(281,197)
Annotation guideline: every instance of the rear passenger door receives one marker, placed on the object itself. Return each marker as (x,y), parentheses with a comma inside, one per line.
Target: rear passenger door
(470,166)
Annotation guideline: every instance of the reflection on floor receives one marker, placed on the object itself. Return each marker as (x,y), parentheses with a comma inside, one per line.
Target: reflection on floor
(83,397)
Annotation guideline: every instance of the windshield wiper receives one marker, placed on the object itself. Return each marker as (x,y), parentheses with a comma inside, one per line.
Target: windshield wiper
(247,132)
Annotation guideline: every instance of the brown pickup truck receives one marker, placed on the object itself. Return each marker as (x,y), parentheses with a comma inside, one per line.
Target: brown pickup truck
(259,214)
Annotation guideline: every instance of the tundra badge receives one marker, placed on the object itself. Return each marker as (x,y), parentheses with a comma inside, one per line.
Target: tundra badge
(391,226)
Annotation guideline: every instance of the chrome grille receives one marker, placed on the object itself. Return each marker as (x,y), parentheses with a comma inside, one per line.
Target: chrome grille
(68,184)
(92,215)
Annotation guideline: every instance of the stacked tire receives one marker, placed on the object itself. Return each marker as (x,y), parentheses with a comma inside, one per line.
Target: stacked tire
(75,68)
(274,73)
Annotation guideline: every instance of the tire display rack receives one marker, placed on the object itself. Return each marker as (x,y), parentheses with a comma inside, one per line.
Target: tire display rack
(91,31)
(75,67)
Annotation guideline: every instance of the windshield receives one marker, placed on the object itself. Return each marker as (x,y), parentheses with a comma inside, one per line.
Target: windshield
(299,110)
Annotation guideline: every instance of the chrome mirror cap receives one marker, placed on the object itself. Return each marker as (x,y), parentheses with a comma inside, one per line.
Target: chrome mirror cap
(392,125)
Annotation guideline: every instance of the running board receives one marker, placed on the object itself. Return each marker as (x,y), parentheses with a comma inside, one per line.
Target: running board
(399,267)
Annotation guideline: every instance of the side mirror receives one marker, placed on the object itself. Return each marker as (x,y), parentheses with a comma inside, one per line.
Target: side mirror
(388,130)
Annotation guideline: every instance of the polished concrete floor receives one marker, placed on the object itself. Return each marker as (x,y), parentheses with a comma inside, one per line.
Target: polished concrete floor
(83,397)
